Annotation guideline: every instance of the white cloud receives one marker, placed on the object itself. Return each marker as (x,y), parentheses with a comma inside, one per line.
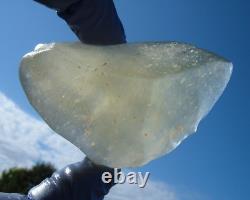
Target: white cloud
(25,140)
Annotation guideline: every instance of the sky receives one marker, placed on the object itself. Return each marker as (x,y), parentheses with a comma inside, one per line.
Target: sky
(214,163)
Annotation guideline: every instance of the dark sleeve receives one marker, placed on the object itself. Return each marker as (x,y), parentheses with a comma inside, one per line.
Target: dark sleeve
(79,181)
(93,21)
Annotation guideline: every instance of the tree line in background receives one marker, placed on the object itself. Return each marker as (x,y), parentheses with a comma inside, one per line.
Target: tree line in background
(21,180)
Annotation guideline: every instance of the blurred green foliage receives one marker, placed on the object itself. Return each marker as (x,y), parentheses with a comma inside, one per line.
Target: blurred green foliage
(21,180)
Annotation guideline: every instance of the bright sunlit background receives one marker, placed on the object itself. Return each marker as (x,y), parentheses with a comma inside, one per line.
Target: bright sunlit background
(214,163)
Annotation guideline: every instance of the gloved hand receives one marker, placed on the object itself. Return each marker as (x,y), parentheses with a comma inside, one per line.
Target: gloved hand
(93,21)
(79,181)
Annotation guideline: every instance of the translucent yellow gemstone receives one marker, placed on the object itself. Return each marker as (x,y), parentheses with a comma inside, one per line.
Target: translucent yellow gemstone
(123,105)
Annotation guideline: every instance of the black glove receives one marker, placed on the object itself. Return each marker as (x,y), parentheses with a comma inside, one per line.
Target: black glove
(93,21)
(79,181)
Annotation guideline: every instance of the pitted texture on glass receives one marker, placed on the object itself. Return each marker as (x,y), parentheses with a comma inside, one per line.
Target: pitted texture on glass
(123,105)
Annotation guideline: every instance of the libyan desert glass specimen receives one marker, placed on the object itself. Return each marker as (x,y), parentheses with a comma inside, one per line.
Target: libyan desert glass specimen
(123,105)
